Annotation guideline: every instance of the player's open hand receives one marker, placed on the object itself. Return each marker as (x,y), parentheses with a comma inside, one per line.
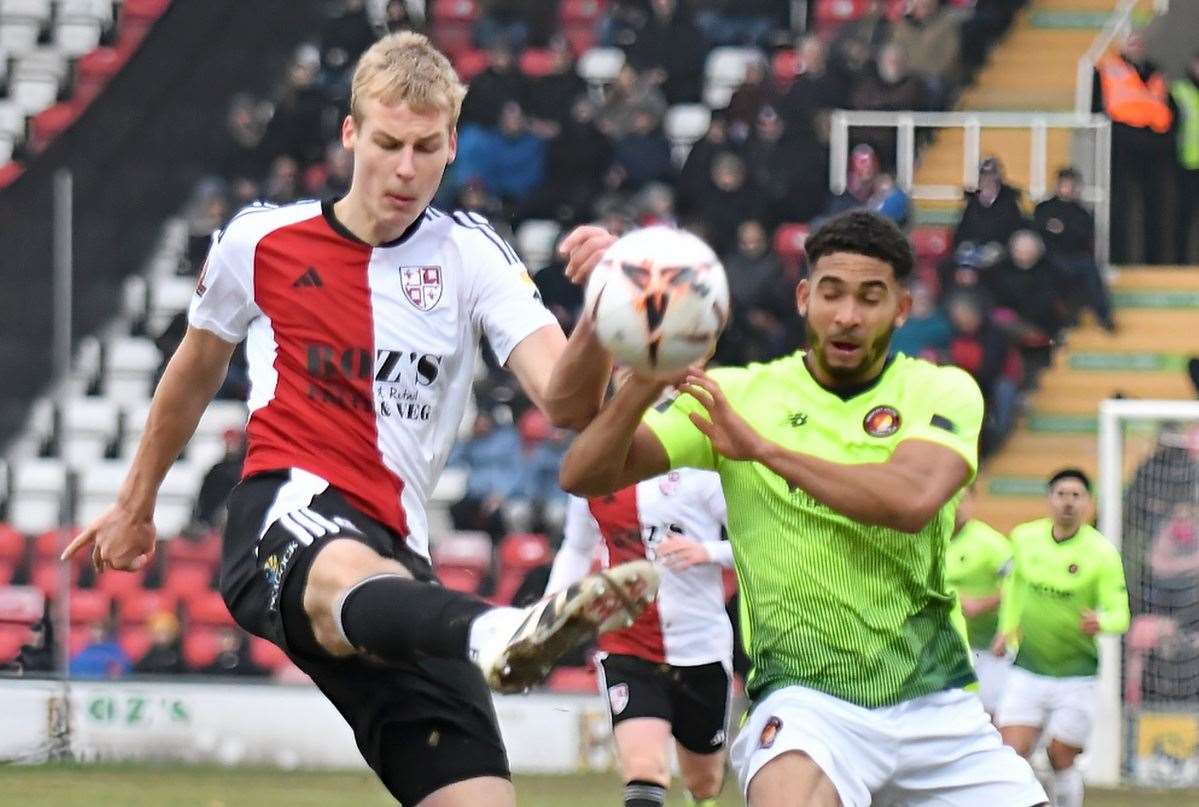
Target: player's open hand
(731,434)
(1089,624)
(679,552)
(119,540)
(999,645)
(583,247)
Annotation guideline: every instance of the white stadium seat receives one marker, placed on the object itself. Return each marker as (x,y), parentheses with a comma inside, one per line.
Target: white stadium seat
(599,66)
(220,417)
(32,94)
(687,123)
(99,483)
(724,71)
(169,294)
(86,427)
(98,10)
(42,63)
(129,367)
(177,498)
(38,488)
(77,37)
(30,9)
(12,120)
(18,36)
(133,423)
(7,145)
(535,241)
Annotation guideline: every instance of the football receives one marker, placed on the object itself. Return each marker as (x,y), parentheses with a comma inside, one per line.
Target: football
(659,299)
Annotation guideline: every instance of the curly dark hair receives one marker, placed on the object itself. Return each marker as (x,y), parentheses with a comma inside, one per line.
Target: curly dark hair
(863,233)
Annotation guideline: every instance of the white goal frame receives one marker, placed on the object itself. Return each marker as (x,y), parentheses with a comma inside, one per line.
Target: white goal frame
(1107,741)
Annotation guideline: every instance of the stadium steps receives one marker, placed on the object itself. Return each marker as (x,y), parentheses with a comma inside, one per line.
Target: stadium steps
(1156,309)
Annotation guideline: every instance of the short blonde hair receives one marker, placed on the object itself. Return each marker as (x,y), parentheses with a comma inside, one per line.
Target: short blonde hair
(404,67)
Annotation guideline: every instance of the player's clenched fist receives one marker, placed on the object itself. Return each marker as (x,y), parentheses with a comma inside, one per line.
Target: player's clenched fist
(119,539)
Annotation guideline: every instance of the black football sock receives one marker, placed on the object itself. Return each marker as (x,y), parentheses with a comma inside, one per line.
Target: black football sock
(396,619)
(640,793)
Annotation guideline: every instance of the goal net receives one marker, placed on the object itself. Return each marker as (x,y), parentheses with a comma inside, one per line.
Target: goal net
(1148,727)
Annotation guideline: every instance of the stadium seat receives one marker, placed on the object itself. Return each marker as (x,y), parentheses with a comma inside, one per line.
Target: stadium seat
(98,10)
(129,366)
(7,569)
(724,71)
(81,637)
(8,145)
(452,485)
(535,240)
(469,62)
(12,637)
(267,655)
(138,606)
(18,35)
(536,62)
(29,9)
(12,119)
(572,679)
(46,576)
(200,647)
(120,585)
(187,581)
(12,544)
(32,94)
(785,66)
(176,498)
(462,560)
(135,642)
(77,37)
(207,550)
(466,581)
(89,606)
(600,66)
(208,608)
(931,243)
(789,241)
(169,295)
(48,545)
(37,494)
(838,12)
(451,24)
(220,417)
(87,426)
(99,483)
(686,123)
(579,20)
(519,554)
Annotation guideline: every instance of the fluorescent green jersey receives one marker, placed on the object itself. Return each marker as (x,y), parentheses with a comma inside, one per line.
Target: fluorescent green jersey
(977,561)
(1052,583)
(858,611)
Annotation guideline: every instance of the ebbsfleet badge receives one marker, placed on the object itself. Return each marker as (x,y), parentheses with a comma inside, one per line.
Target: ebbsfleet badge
(881,421)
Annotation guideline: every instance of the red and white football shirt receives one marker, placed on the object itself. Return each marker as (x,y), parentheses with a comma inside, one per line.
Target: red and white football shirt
(361,358)
(687,624)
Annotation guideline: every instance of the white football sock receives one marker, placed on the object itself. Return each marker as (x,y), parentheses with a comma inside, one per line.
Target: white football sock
(1067,787)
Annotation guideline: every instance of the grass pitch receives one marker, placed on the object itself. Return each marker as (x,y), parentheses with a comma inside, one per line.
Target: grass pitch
(145,786)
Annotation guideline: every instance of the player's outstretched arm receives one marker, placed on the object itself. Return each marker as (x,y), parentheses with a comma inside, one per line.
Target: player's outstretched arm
(123,535)
(903,493)
(1113,611)
(616,450)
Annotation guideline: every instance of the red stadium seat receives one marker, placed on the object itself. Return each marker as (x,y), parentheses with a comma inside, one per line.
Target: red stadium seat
(188,579)
(81,637)
(267,655)
(464,11)
(451,25)
(519,554)
(579,19)
(135,642)
(789,242)
(208,609)
(89,606)
(46,576)
(12,637)
(138,606)
(207,550)
(837,12)
(200,647)
(50,544)
(470,63)
(931,243)
(459,579)
(12,544)
(7,570)
(572,679)
(120,585)
(537,62)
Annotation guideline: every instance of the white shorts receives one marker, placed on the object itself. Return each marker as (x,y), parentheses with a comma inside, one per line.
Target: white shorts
(940,749)
(1063,708)
(992,672)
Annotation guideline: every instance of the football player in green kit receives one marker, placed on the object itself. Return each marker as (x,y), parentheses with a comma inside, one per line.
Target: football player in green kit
(841,467)
(1066,587)
(978,560)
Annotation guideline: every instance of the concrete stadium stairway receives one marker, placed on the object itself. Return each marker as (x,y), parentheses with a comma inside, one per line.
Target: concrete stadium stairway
(1157,310)
(1032,69)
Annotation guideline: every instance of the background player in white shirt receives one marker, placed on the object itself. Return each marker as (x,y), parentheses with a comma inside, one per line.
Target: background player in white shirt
(669,672)
(362,318)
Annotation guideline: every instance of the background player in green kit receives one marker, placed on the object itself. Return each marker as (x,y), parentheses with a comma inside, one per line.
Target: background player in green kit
(839,467)
(978,560)
(1066,586)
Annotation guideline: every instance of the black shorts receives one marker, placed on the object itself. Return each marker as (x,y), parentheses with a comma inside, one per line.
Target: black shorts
(420,726)
(694,700)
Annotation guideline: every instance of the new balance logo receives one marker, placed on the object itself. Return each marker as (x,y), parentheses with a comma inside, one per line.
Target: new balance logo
(310,279)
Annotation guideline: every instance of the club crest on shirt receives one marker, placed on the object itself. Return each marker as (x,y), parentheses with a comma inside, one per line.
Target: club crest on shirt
(1072,568)
(422,285)
(618,696)
(669,484)
(769,732)
(881,421)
